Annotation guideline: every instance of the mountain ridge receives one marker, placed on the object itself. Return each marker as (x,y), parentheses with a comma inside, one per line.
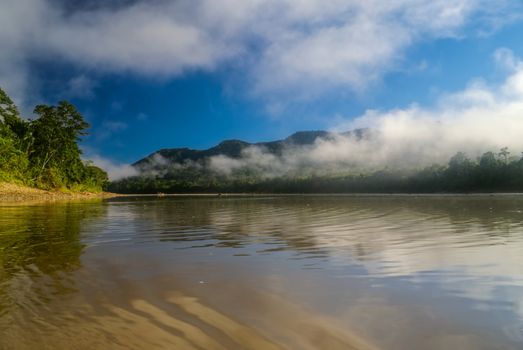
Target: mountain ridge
(233,148)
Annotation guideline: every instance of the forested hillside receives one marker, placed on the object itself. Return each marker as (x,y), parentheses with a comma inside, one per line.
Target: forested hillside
(44,152)
(491,172)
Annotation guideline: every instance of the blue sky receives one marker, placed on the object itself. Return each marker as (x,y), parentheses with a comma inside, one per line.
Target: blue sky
(163,74)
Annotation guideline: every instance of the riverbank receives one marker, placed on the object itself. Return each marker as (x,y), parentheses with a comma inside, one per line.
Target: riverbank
(10,192)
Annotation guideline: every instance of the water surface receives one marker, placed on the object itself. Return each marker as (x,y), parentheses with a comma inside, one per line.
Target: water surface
(281,272)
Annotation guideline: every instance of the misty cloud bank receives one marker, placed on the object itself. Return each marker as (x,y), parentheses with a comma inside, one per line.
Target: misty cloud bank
(116,171)
(478,119)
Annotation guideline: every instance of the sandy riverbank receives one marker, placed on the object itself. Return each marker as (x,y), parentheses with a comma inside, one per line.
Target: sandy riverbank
(16,193)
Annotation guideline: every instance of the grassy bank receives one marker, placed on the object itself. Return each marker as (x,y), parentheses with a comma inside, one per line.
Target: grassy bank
(10,192)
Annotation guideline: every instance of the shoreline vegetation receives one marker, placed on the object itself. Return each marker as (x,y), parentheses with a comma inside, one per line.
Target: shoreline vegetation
(13,193)
(43,153)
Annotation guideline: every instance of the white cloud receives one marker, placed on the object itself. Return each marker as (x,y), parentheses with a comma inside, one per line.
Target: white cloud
(303,46)
(478,119)
(115,170)
(141,38)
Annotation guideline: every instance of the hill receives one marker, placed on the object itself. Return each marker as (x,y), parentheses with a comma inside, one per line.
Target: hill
(233,149)
(315,162)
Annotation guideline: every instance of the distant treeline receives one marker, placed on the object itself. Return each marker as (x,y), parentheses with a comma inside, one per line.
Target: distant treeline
(44,152)
(492,172)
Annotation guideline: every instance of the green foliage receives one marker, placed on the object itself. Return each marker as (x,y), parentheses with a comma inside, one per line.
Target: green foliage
(8,112)
(13,162)
(55,154)
(95,178)
(44,152)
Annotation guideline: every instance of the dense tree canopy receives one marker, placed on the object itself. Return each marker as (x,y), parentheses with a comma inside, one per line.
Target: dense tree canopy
(44,152)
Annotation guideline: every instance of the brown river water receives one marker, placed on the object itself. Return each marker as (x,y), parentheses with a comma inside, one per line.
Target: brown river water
(300,272)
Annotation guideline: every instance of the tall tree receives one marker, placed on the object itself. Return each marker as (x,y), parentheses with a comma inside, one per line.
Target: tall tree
(55,154)
(8,110)
(10,121)
(13,132)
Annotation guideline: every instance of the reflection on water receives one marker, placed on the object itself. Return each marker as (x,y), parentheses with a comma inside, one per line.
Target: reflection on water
(36,242)
(264,273)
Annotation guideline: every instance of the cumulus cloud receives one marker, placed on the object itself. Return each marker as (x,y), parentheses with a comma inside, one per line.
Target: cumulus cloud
(478,119)
(303,46)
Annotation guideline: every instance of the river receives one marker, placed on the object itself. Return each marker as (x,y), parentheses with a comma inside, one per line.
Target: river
(263,272)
